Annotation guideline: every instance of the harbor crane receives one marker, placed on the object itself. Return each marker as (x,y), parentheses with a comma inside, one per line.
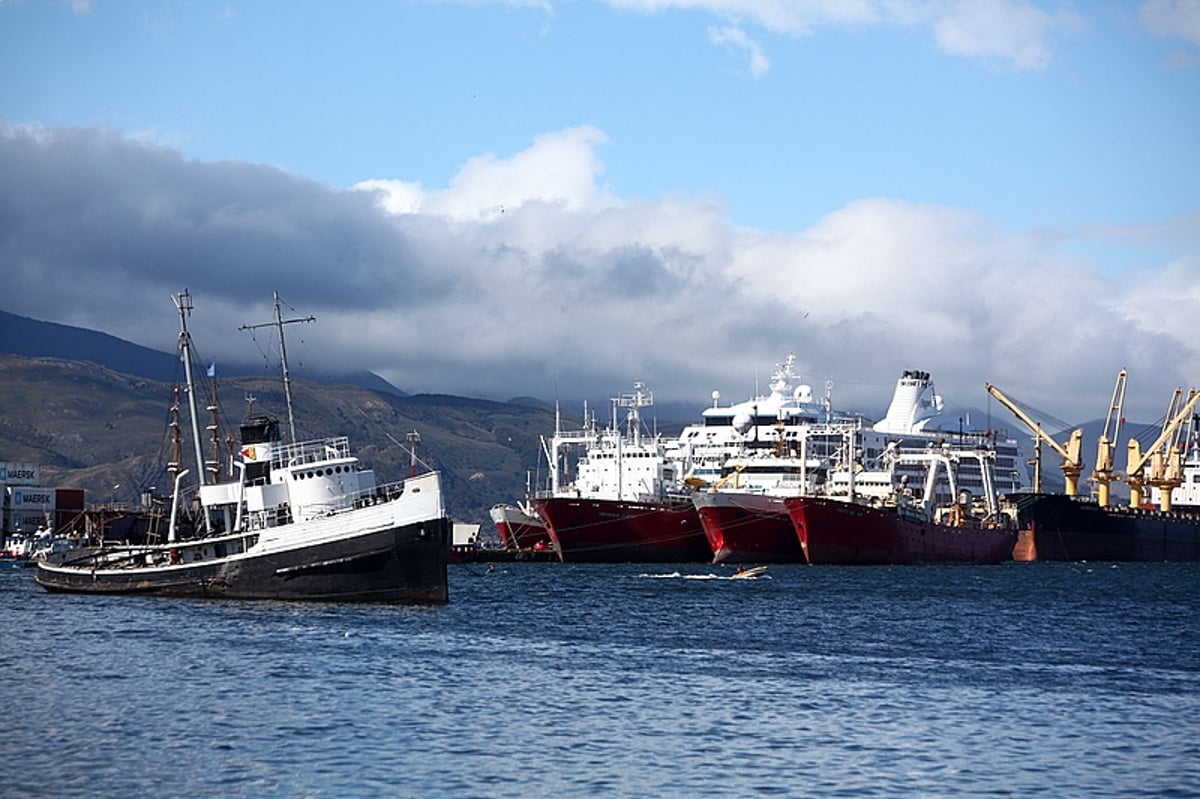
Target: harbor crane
(1103,473)
(1071,452)
(1163,455)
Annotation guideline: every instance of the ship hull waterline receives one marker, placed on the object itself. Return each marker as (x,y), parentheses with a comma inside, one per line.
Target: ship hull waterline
(844,533)
(1062,528)
(749,529)
(613,531)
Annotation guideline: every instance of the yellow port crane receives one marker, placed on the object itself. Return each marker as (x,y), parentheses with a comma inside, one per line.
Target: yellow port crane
(1164,465)
(1071,452)
(1103,473)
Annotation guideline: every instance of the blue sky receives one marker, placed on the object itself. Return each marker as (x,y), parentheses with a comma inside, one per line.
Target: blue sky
(561,198)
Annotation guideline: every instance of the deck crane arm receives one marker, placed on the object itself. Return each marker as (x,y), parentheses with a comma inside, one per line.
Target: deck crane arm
(1103,474)
(1138,458)
(1071,452)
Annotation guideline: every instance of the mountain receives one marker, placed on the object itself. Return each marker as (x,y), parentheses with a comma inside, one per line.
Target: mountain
(31,338)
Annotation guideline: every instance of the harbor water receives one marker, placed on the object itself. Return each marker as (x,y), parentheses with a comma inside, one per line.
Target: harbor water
(552,680)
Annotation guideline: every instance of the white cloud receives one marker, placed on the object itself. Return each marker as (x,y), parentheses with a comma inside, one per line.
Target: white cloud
(1012,32)
(788,17)
(394,196)
(1178,19)
(573,292)
(559,169)
(737,39)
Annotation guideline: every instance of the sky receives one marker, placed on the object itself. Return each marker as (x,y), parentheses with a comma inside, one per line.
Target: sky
(556,199)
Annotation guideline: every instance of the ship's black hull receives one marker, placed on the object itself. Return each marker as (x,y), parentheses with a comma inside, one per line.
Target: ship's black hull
(1063,528)
(402,564)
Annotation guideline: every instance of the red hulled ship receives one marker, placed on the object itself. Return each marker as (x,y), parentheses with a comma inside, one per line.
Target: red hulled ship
(520,528)
(806,452)
(911,526)
(624,504)
(616,531)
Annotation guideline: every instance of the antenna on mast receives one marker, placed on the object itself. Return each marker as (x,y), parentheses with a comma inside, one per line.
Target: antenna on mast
(287,381)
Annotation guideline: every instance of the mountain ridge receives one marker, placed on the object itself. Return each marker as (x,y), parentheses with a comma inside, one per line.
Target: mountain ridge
(33,338)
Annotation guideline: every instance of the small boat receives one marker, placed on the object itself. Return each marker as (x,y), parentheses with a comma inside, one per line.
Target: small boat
(304,520)
(24,550)
(750,573)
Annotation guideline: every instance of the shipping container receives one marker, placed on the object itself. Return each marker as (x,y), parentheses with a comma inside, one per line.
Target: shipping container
(20,474)
(69,499)
(26,498)
(63,518)
(25,521)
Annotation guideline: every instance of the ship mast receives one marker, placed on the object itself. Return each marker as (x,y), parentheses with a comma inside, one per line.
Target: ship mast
(287,382)
(183,301)
(214,430)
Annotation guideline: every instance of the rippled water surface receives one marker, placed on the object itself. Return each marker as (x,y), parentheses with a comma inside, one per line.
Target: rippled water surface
(558,680)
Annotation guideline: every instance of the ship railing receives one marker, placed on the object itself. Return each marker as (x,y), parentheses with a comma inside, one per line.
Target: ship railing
(342,503)
(376,495)
(315,451)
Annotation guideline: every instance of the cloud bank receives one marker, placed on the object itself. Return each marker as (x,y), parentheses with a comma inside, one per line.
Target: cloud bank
(527,276)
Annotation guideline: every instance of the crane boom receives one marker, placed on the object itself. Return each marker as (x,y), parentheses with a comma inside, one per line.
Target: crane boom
(1071,452)
(1103,474)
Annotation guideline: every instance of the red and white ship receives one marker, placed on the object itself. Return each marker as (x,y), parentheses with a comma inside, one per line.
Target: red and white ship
(910,526)
(805,453)
(745,516)
(624,503)
(746,457)
(749,523)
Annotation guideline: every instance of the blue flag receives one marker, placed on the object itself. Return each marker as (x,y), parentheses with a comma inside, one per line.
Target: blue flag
(212,369)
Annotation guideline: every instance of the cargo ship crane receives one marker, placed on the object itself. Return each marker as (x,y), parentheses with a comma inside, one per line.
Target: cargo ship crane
(1103,474)
(1071,452)
(1160,470)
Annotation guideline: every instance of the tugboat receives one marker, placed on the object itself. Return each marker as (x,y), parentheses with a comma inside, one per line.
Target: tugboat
(303,521)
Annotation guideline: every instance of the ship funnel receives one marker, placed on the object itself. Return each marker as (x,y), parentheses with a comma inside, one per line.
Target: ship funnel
(914,404)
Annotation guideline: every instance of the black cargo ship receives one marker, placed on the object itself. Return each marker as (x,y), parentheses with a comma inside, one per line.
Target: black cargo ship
(1059,527)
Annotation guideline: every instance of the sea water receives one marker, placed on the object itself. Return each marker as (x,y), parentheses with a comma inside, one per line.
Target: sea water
(553,680)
